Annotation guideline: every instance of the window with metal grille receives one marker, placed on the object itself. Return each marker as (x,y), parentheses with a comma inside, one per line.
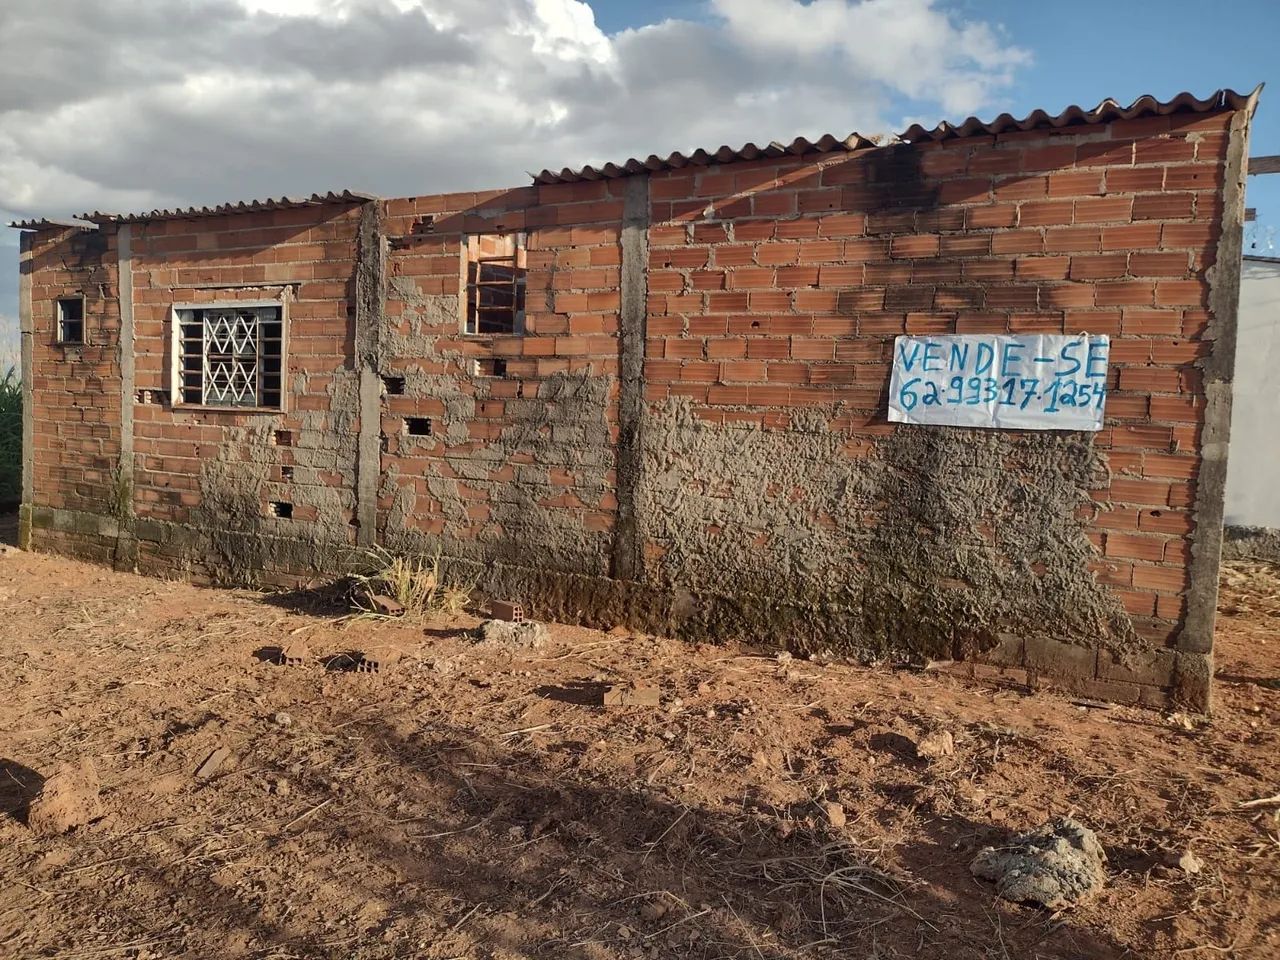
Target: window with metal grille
(496,268)
(229,355)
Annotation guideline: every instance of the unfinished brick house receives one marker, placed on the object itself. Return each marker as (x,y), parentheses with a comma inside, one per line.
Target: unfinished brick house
(655,393)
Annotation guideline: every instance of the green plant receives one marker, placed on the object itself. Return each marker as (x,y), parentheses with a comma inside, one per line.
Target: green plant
(413,582)
(10,439)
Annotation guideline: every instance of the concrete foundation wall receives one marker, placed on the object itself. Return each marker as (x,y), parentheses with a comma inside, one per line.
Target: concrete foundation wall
(690,434)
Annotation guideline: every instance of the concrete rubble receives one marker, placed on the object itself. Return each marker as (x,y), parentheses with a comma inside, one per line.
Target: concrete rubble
(1056,865)
(528,634)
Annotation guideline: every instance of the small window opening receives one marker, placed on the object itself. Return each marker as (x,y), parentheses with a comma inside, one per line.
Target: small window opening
(394,385)
(496,268)
(281,509)
(283,438)
(230,355)
(490,367)
(71,320)
(286,473)
(418,426)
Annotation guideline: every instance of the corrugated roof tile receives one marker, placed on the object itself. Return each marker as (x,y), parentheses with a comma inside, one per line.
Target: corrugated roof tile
(243,206)
(45,223)
(1105,111)
(702,158)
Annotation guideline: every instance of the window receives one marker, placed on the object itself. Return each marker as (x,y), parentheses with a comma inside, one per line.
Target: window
(70,320)
(229,355)
(496,268)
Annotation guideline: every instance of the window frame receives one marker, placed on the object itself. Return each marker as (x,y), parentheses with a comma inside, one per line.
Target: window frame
(58,337)
(518,257)
(176,355)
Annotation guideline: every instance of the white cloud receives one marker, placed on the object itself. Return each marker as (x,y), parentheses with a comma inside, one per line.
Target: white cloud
(186,101)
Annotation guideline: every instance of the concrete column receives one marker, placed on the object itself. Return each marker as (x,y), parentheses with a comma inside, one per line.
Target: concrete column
(371,297)
(632,316)
(122,485)
(26,327)
(1194,668)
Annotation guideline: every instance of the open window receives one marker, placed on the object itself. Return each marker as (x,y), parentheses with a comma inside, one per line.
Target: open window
(229,355)
(70,320)
(496,268)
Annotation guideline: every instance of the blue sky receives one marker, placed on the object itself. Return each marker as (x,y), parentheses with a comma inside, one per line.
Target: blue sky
(132,105)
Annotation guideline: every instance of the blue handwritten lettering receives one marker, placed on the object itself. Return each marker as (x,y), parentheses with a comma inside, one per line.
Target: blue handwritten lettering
(908,362)
(1098,355)
(1065,353)
(986,357)
(1009,358)
(932,354)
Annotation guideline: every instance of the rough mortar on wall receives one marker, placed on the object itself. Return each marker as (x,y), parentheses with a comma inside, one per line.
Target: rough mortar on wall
(421,312)
(563,427)
(936,544)
(230,532)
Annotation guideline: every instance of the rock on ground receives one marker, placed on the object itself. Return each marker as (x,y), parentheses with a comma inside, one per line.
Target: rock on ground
(68,799)
(1056,865)
(937,744)
(527,634)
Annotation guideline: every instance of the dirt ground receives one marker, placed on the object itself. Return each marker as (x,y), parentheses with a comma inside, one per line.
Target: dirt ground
(472,801)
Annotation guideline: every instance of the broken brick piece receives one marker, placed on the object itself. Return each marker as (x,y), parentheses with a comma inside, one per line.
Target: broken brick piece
(294,655)
(632,695)
(505,610)
(377,661)
(386,606)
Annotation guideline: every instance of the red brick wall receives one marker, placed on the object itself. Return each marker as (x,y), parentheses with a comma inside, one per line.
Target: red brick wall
(774,291)
(778,287)
(537,442)
(73,395)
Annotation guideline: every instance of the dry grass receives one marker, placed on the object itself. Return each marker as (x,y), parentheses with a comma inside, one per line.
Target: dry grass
(413,582)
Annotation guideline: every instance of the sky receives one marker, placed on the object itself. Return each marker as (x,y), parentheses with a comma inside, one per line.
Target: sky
(136,104)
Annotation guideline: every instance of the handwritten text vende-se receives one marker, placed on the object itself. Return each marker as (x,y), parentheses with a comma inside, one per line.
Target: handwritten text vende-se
(1001,381)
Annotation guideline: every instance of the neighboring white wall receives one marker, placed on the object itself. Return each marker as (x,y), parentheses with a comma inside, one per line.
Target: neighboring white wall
(1253,462)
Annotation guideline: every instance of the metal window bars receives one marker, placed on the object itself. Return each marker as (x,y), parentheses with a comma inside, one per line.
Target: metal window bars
(231,356)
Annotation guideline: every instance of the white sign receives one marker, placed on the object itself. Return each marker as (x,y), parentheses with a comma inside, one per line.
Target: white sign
(1031,382)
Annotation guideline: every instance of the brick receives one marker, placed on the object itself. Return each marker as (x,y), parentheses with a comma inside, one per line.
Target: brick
(914,246)
(1194,235)
(1018,241)
(1159,264)
(1142,492)
(1047,213)
(1138,603)
(1166,579)
(1164,206)
(1070,239)
(1075,184)
(1135,179)
(1104,210)
(991,215)
(1125,293)
(1020,188)
(1164,521)
(1110,266)
(1182,293)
